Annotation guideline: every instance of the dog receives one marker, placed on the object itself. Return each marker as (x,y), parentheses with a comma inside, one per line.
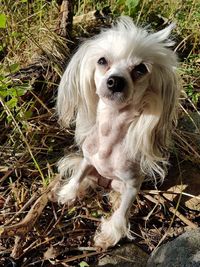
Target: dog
(120,89)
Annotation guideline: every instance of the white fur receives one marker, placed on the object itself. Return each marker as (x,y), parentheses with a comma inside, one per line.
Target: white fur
(112,230)
(124,135)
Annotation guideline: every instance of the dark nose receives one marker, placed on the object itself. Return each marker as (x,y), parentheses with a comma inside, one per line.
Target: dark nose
(116,83)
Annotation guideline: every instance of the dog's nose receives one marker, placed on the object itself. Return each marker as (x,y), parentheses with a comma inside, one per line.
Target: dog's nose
(116,83)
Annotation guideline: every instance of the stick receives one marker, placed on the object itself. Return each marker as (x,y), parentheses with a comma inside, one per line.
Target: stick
(28,222)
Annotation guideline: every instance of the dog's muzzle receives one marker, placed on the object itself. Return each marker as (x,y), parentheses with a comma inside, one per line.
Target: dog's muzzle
(116,83)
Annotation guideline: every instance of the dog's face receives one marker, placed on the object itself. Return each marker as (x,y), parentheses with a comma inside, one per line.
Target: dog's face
(125,62)
(119,80)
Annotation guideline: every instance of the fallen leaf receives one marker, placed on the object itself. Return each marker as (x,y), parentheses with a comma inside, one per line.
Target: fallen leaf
(50,253)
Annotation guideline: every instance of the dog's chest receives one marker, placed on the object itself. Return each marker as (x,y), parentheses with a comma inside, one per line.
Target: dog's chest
(102,140)
(103,147)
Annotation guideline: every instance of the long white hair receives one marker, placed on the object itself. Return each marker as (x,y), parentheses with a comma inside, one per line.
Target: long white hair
(148,136)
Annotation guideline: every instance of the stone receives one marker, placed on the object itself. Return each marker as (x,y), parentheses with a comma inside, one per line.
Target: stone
(184,251)
(128,255)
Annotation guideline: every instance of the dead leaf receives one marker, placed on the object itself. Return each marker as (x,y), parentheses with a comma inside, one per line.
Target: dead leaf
(50,253)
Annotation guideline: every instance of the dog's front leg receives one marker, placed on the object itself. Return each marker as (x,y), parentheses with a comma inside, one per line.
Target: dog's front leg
(70,191)
(117,226)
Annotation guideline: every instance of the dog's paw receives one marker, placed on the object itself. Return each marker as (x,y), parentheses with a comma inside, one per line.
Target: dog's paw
(111,231)
(67,194)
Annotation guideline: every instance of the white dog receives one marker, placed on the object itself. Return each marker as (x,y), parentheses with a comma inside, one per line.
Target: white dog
(120,90)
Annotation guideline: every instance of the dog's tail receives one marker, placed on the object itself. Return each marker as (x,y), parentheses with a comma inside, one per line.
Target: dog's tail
(68,165)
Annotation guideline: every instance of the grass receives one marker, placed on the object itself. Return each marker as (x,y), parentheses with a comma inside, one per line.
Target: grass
(31,141)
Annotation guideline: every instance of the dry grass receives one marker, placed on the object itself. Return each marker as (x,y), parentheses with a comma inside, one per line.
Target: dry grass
(31,141)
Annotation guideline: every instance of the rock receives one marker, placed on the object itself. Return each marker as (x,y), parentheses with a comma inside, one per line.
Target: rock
(184,251)
(128,255)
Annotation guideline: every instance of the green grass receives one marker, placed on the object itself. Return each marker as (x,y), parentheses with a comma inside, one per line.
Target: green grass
(26,27)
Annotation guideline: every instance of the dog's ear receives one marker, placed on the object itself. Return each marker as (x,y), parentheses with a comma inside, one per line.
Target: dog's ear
(76,92)
(148,136)
(141,139)
(167,84)
(164,82)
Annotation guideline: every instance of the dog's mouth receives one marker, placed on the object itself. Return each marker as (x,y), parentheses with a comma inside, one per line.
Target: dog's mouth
(117,97)
(110,98)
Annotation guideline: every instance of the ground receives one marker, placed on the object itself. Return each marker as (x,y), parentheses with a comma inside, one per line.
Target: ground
(34,230)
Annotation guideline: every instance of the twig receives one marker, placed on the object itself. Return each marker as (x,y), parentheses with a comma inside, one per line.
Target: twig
(86,249)
(192,120)
(175,212)
(41,102)
(6,175)
(187,144)
(182,42)
(27,204)
(156,192)
(28,222)
(17,248)
(78,257)
(172,210)
(66,11)
(98,15)
(89,218)
(85,18)
(182,218)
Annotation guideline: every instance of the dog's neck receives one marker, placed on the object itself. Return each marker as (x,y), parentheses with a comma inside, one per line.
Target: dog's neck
(112,117)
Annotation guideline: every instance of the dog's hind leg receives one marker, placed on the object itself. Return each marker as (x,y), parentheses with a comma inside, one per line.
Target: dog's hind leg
(75,186)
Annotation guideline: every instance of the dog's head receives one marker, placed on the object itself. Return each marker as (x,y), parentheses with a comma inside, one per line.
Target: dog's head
(119,65)
(122,65)
(126,60)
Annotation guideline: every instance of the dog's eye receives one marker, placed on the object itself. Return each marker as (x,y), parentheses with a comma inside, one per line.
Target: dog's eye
(102,61)
(139,71)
